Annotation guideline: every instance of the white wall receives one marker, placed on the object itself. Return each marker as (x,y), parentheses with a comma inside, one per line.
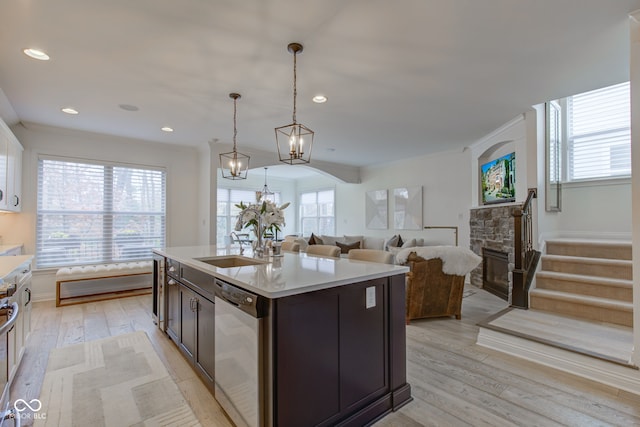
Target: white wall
(181,164)
(446,193)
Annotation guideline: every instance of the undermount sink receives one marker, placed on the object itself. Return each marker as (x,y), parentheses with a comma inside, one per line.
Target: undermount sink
(229,261)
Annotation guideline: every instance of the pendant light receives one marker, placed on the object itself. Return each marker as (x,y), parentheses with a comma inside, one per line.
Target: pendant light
(234,165)
(265,194)
(294,140)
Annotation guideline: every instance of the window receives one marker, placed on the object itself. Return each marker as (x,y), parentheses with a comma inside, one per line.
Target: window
(317,213)
(227,212)
(92,213)
(598,134)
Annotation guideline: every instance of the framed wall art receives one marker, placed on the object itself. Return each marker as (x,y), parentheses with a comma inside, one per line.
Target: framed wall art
(407,211)
(376,207)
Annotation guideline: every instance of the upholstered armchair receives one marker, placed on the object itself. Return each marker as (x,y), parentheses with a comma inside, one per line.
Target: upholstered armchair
(435,282)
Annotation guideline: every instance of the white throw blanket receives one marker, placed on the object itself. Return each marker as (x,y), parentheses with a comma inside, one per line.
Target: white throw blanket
(455,260)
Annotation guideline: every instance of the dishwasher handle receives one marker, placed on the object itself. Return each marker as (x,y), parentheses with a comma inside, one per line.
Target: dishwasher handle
(245,301)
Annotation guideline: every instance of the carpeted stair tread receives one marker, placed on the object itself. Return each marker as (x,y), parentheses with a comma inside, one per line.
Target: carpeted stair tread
(583,299)
(607,281)
(604,287)
(601,267)
(608,249)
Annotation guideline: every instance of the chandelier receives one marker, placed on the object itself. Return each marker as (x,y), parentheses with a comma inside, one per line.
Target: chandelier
(234,165)
(265,194)
(294,140)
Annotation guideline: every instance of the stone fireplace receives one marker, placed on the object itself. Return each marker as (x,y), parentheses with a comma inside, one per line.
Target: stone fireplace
(492,231)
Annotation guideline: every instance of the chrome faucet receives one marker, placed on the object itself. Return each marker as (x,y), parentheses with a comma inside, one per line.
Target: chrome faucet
(235,236)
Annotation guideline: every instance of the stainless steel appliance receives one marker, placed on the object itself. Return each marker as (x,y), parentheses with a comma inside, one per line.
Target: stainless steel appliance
(9,312)
(242,377)
(159,303)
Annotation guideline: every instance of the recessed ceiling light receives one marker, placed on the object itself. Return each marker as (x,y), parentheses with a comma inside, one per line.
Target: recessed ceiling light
(166,129)
(69,110)
(36,54)
(319,99)
(128,107)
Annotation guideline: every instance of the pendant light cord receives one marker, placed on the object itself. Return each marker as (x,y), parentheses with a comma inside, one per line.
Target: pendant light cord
(295,90)
(235,130)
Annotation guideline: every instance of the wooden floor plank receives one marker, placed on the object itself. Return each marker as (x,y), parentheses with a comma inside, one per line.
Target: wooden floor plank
(454,381)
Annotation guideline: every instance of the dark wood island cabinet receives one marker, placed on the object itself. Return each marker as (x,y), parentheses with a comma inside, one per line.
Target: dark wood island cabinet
(329,357)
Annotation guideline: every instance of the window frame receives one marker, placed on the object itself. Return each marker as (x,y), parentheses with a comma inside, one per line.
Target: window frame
(301,216)
(567,156)
(107,215)
(223,236)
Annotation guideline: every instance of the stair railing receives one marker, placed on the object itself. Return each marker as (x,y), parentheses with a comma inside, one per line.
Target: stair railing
(526,258)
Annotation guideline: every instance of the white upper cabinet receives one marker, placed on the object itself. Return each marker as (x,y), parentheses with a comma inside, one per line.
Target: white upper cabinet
(10,170)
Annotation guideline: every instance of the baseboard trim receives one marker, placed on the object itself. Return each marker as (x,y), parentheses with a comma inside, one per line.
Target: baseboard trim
(611,374)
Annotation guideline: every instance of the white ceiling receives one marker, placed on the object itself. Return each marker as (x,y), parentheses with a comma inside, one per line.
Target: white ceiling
(403,77)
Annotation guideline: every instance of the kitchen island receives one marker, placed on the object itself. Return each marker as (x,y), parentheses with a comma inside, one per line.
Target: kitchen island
(295,340)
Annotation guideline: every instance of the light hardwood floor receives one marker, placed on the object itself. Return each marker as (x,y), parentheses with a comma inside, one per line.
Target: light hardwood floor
(454,381)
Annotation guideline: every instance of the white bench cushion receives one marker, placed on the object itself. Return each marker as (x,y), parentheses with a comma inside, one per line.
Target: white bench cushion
(103,270)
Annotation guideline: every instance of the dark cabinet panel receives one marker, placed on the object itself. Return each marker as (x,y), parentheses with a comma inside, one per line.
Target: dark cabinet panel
(174,308)
(307,359)
(189,321)
(331,353)
(363,343)
(205,357)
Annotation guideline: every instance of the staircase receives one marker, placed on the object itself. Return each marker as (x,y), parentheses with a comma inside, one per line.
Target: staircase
(586,279)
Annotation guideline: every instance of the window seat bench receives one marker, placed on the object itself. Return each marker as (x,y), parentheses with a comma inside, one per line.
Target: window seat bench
(75,285)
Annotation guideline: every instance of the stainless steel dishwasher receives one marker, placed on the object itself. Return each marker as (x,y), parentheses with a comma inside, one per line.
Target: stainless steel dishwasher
(242,373)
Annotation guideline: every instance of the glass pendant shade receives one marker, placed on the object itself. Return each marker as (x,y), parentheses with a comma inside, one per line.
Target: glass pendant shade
(234,165)
(295,140)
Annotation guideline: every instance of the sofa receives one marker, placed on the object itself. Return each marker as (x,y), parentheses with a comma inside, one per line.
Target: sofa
(392,244)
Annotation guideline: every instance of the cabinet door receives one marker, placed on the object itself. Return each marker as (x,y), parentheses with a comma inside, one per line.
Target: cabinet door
(205,358)
(188,313)
(307,358)
(14,176)
(26,308)
(4,146)
(174,308)
(363,330)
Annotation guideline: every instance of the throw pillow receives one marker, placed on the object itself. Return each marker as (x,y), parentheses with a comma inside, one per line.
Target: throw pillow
(400,241)
(315,240)
(346,247)
(392,242)
(352,239)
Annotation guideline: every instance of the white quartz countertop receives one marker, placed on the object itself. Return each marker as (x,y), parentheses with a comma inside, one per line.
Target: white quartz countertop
(290,274)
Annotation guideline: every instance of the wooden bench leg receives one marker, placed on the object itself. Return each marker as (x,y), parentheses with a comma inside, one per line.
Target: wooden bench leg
(57,293)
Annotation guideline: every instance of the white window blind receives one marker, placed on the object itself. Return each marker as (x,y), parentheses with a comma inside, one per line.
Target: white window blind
(599,133)
(317,212)
(97,213)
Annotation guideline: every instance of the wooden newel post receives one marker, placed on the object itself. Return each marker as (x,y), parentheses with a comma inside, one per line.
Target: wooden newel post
(518,292)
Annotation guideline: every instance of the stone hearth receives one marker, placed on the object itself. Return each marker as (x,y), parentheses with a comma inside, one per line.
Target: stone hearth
(492,227)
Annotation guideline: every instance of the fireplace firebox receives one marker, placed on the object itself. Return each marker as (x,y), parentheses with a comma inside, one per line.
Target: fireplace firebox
(495,272)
